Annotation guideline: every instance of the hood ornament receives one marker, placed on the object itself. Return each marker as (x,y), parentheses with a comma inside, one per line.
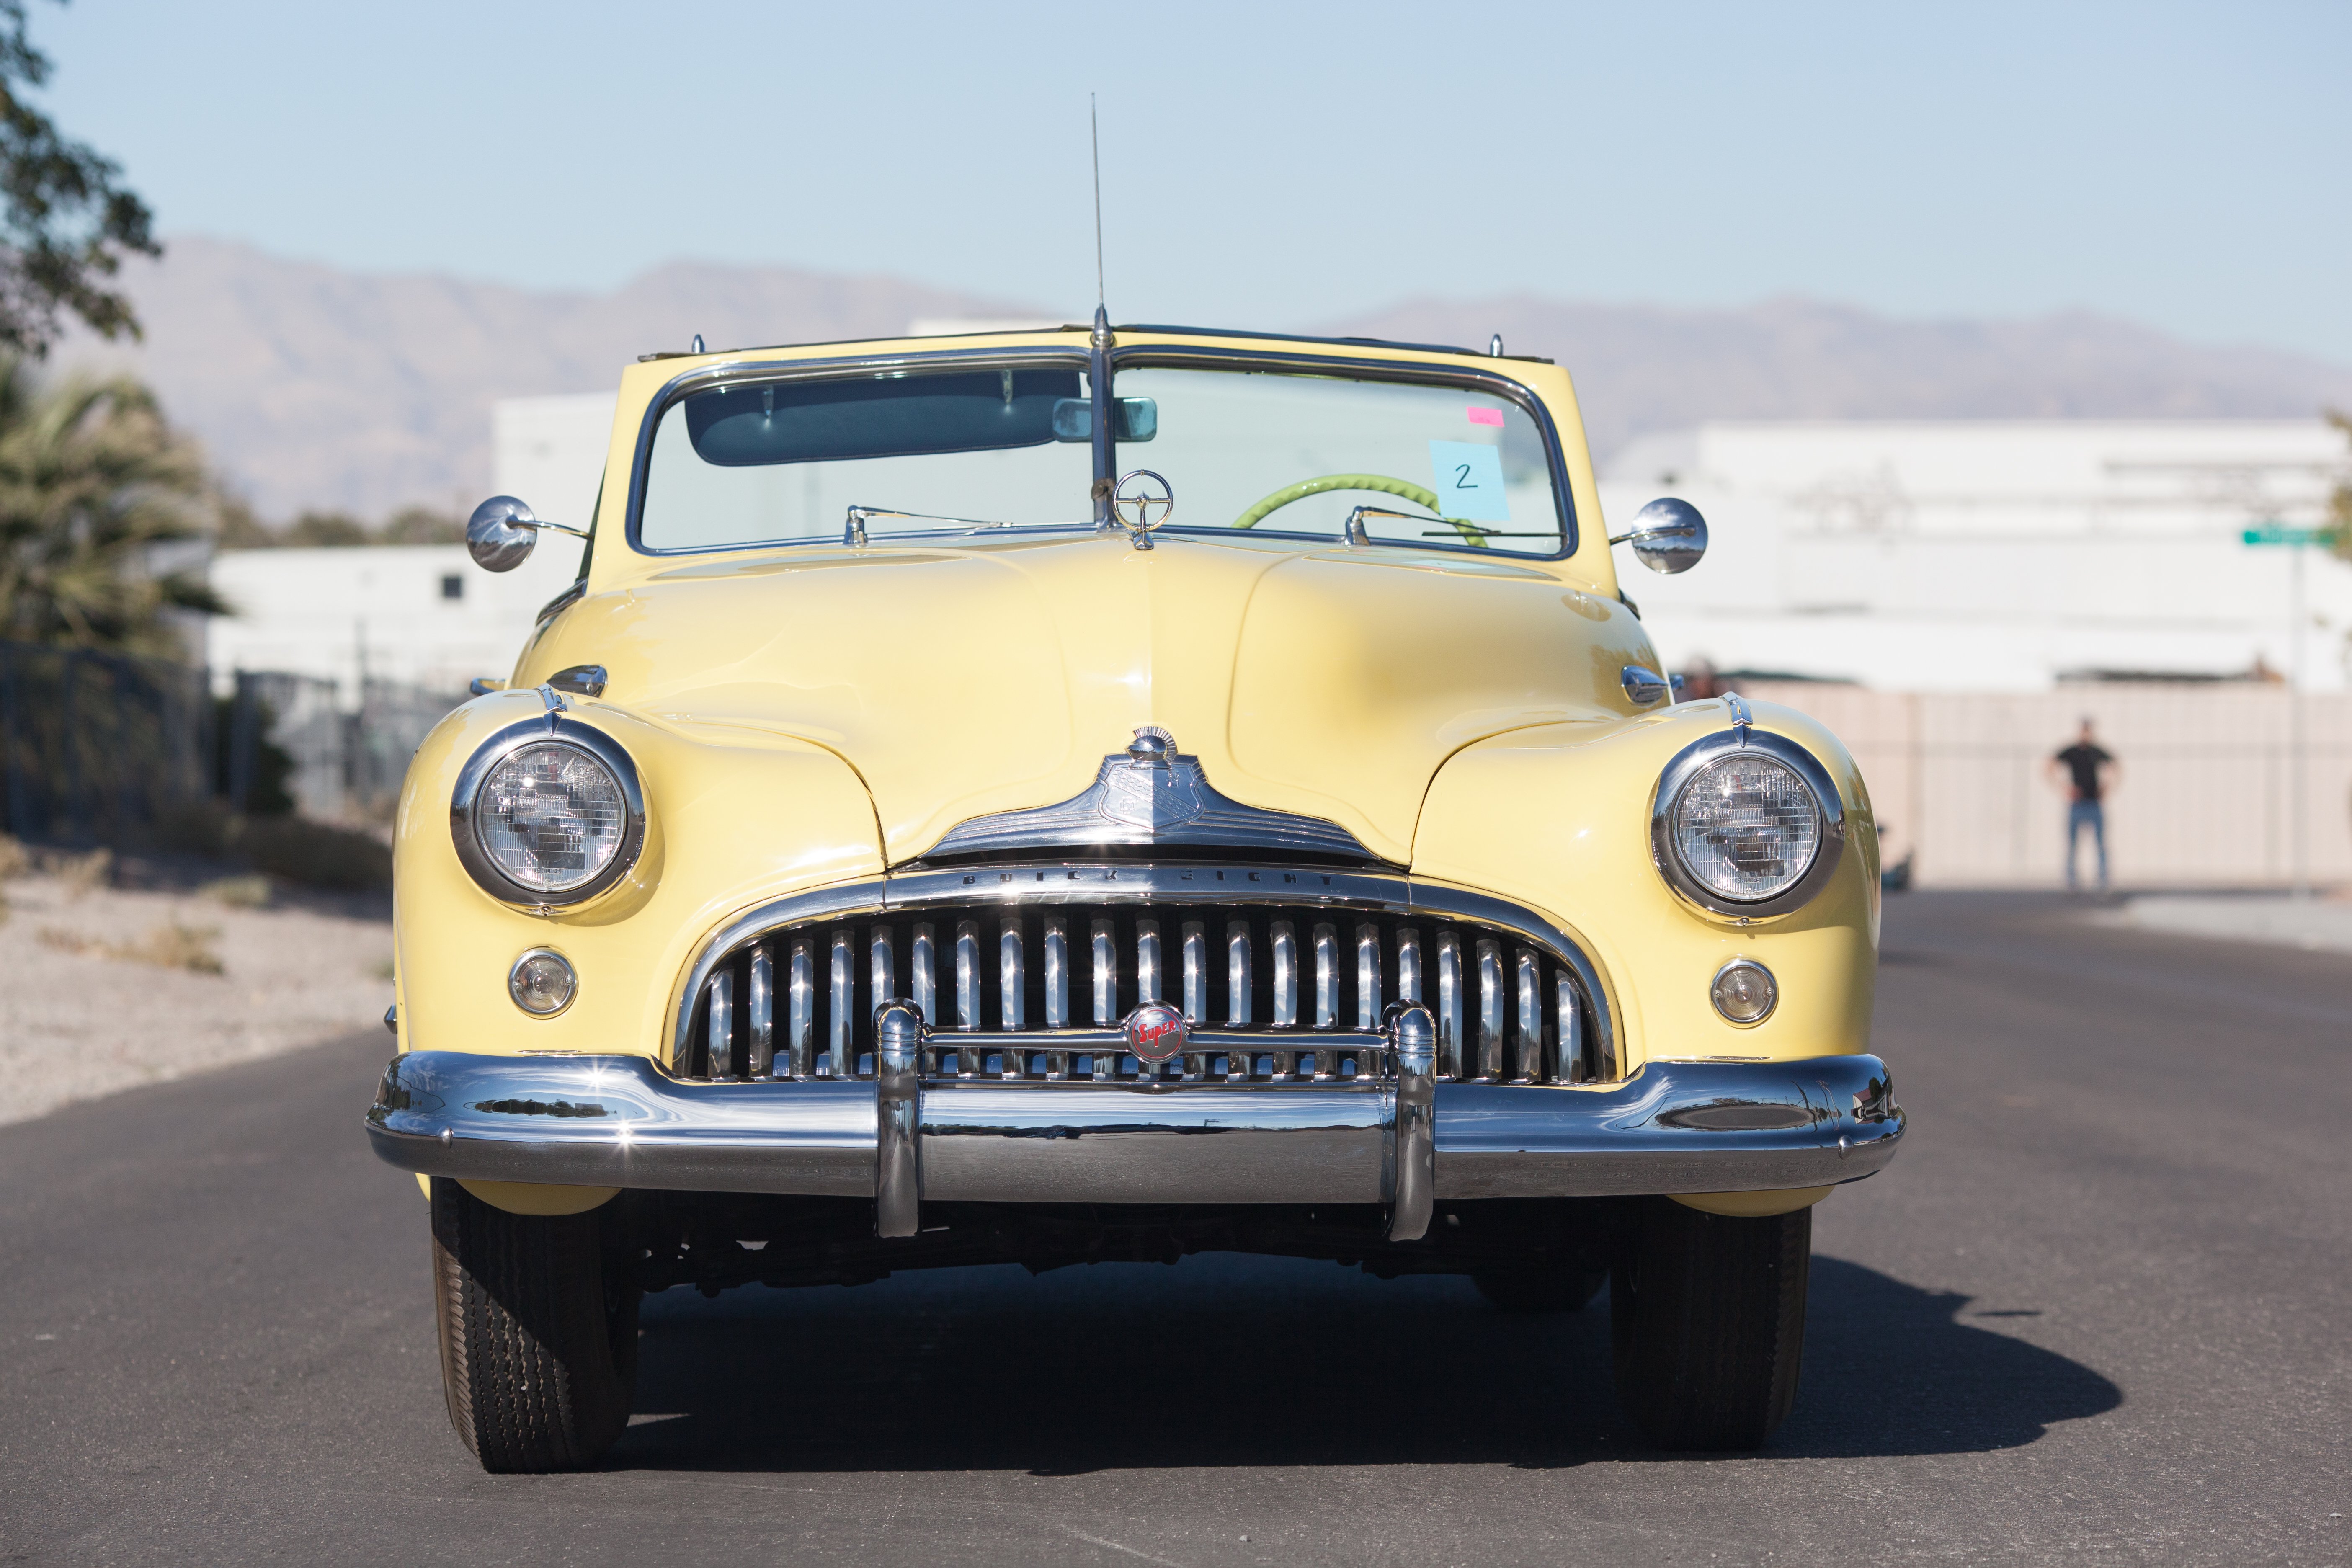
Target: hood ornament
(1139,491)
(1151,796)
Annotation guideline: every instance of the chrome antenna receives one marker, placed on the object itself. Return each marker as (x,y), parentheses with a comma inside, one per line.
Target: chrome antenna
(1094,133)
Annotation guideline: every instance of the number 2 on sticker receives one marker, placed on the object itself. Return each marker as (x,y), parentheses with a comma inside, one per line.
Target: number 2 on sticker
(1462,478)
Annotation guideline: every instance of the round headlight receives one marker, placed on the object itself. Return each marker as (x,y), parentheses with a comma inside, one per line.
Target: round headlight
(550,817)
(1746,826)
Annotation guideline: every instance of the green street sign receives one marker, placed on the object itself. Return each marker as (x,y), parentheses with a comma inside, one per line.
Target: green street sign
(2284,533)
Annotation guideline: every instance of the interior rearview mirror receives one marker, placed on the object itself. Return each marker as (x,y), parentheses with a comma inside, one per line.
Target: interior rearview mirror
(1667,535)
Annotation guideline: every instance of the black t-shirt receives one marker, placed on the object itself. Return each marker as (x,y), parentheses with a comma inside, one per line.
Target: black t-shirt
(2082,760)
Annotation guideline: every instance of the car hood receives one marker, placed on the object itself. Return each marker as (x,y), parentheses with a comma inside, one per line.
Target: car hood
(965,681)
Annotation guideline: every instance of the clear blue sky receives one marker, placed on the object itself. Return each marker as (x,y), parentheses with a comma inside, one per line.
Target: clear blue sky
(1267,164)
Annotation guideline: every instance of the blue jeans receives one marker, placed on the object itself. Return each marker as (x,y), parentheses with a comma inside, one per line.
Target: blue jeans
(2091,815)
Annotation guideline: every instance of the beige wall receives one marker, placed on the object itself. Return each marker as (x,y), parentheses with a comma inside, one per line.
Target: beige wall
(2206,796)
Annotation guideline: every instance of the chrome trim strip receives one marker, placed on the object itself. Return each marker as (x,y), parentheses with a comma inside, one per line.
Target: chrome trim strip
(1064,883)
(721,1025)
(1829,813)
(1672,1127)
(555,725)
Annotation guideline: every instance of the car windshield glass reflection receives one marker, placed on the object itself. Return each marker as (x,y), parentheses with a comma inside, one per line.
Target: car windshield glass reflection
(1282,453)
(753,462)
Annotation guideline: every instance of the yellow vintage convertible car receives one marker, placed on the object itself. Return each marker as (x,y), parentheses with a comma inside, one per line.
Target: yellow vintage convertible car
(1102,795)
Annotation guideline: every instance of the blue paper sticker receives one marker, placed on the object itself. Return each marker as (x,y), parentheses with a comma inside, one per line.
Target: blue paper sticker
(1469,481)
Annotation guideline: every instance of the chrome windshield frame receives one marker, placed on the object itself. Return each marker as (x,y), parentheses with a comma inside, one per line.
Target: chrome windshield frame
(1080,354)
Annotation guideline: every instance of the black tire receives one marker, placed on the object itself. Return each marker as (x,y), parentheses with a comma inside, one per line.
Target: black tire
(1554,1290)
(1707,1318)
(538,1338)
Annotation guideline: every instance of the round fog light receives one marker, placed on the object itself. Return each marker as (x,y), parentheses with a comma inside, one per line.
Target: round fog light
(541,983)
(1744,991)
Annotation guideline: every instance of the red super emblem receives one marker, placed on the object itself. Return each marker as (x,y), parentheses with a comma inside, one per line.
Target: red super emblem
(1155,1031)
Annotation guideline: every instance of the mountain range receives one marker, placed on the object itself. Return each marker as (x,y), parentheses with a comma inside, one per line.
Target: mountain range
(318,388)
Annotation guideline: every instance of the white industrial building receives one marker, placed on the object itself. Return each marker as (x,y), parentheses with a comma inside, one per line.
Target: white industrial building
(1995,556)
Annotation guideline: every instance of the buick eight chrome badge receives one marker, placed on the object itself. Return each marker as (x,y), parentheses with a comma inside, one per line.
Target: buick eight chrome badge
(1153,795)
(1156,1032)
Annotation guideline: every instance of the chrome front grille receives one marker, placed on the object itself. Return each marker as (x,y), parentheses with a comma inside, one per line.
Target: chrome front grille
(1274,992)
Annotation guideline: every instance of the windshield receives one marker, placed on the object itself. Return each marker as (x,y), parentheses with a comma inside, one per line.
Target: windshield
(755,462)
(1279,452)
(961,449)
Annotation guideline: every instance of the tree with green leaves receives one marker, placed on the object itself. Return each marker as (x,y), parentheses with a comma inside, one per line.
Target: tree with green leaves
(65,223)
(92,481)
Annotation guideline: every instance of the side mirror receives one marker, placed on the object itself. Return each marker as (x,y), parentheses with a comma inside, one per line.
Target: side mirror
(500,534)
(1667,535)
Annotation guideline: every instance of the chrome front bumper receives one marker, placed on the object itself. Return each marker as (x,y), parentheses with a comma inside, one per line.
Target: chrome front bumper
(621,1121)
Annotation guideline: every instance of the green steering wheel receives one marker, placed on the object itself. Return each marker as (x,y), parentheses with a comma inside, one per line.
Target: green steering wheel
(1420,495)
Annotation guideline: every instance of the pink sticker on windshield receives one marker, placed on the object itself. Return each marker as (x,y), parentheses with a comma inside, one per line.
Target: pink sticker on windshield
(1486,417)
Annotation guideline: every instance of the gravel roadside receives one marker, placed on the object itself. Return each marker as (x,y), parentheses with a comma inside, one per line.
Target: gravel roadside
(104,988)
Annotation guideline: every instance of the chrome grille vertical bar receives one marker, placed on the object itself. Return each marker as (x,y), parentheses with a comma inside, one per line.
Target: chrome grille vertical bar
(1368,977)
(1057,971)
(1012,977)
(1408,985)
(1238,979)
(882,966)
(1327,992)
(923,956)
(1491,1007)
(800,1027)
(967,975)
(1148,970)
(1326,975)
(1567,1032)
(760,1014)
(1449,1005)
(1528,1048)
(1286,975)
(1196,971)
(839,1034)
(718,1012)
(1106,964)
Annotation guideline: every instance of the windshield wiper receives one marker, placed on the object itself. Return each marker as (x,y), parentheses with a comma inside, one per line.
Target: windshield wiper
(853,532)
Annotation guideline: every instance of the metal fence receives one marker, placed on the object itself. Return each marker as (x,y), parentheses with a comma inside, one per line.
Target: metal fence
(2217,785)
(93,745)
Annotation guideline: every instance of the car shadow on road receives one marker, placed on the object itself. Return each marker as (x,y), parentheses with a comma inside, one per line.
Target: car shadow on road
(1260,1361)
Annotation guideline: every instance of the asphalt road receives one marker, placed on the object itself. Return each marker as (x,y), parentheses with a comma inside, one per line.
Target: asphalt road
(2098,1308)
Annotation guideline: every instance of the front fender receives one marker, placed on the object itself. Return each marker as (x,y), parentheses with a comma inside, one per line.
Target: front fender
(734,817)
(1558,817)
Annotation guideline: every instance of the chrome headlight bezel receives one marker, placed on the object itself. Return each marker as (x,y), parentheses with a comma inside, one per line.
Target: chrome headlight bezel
(555,728)
(1829,813)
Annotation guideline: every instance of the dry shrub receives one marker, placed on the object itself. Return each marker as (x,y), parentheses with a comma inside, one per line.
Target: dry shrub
(170,945)
(314,853)
(239,892)
(292,848)
(80,873)
(13,860)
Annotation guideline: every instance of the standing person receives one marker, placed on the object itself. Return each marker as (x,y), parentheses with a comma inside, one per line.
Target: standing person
(2086,772)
